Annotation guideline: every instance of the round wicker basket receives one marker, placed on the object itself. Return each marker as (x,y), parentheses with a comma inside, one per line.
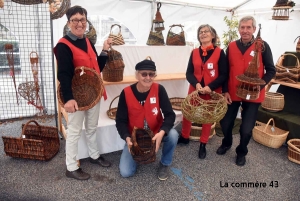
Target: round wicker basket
(198,110)
(111,112)
(273,102)
(87,88)
(294,150)
(59,9)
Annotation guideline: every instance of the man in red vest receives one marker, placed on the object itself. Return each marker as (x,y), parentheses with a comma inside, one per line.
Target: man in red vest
(146,104)
(239,54)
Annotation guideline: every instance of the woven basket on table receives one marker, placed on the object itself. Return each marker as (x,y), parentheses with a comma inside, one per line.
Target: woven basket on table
(198,110)
(111,112)
(273,102)
(114,68)
(176,103)
(287,73)
(294,150)
(269,135)
(36,142)
(87,88)
(197,130)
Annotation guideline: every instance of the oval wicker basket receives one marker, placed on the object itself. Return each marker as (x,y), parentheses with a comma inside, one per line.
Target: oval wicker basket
(111,112)
(294,150)
(198,110)
(87,88)
(176,103)
(288,74)
(269,135)
(273,102)
(197,130)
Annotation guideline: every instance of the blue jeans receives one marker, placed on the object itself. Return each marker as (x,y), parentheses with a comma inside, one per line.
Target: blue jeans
(128,165)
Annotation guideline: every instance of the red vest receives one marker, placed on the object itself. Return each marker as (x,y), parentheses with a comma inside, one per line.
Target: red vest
(238,64)
(209,70)
(81,58)
(150,111)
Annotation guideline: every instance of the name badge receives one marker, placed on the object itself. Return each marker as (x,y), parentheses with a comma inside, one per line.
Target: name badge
(210,66)
(152,100)
(252,53)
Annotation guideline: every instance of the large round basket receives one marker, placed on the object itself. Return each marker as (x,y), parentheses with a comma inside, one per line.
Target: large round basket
(198,110)
(273,102)
(59,9)
(176,103)
(196,131)
(87,88)
(111,112)
(269,135)
(294,150)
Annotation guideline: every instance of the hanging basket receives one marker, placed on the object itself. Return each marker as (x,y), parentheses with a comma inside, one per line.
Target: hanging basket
(294,150)
(111,112)
(288,74)
(198,110)
(36,142)
(196,131)
(273,102)
(269,135)
(58,8)
(176,103)
(28,90)
(87,88)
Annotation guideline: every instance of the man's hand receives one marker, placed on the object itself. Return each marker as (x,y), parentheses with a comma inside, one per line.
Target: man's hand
(129,143)
(158,137)
(205,90)
(228,98)
(71,106)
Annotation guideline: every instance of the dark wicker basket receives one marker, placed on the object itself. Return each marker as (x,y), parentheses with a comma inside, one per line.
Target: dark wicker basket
(287,73)
(111,112)
(294,150)
(112,75)
(36,142)
(64,6)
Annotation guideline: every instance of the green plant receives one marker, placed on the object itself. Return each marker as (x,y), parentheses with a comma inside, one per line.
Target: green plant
(231,34)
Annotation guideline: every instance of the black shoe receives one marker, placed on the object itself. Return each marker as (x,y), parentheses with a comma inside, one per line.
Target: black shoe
(100,161)
(240,160)
(77,174)
(163,172)
(182,140)
(202,151)
(222,150)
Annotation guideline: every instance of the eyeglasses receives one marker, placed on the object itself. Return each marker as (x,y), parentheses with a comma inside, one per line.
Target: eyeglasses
(203,32)
(145,74)
(76,21)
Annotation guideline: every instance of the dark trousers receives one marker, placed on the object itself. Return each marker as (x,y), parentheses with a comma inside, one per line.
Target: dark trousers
(249,114)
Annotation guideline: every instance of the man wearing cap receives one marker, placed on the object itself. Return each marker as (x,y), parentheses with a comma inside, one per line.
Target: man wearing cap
(146,104)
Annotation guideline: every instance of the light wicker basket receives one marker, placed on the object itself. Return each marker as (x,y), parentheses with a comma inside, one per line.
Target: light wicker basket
(269,135)
(294,150)
(197,130)
(273,102)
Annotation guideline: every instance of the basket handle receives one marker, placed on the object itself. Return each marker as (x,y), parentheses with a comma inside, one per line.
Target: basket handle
(176,25)
(31,121)
(293,146)
(115,25)
(271,119)
(280,60)
(112,102)
(149,58)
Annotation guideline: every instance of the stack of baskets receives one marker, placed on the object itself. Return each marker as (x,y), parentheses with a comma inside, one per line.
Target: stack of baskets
(294,150)
(273,102)
(269,135)
(197,130)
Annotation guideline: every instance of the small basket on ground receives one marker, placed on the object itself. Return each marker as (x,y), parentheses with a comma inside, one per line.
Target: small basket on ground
(36,142)
(111,112)
(176,103)
(197,130)
(198,110)
(269,135)
(273,102)
(294,150)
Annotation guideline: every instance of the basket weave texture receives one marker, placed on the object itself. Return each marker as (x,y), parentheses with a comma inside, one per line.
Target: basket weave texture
(174,38)
(36,142)
(288,74)
(57,10)
(155,38)
(111,112)
(197,130)
(117,39)
(176,103)
(269,135)
(294,150)
(273,102)
(198,110)
(87,88)
(114,68)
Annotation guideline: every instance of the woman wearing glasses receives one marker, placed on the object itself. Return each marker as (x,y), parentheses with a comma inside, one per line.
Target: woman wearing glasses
(206,72)
(146,104)
(73,50)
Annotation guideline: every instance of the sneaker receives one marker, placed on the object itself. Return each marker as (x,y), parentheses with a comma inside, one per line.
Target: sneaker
(77,174)
(240,160)
(163,172)
(182,140)
(100,161)
(222,150)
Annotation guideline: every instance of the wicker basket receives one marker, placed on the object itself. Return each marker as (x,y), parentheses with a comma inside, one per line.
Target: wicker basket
(287,73)
(36,142)
(111,112)
(176,103)
(198,110)
(294,150)
(87,88)
(28,2)
(58,10)
(273,102)
(268,135)
(197,130)
(112,75)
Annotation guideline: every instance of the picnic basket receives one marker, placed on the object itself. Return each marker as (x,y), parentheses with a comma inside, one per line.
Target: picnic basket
(111,112)
(294,150)
(197,130)
(273,102)
(269,135)
(36,142)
